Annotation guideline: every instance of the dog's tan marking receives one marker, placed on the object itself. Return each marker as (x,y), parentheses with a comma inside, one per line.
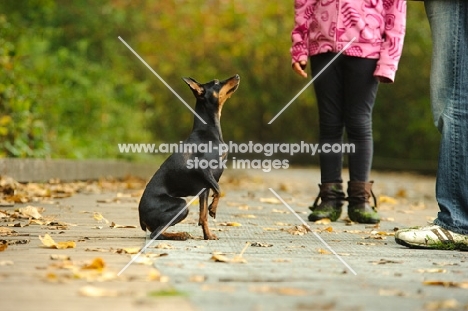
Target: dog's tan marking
(225,93)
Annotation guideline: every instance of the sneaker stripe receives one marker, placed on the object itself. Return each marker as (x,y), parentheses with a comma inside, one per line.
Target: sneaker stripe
(448,237)
(447,234)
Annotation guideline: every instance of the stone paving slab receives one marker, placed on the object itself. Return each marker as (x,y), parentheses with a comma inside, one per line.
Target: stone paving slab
(283,272)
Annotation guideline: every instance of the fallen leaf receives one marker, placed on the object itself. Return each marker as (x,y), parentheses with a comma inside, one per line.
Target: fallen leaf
(3,245)
(327,229)
(245,216)
(323,251)
(419,206)
(128,250)
(155,275)
(386,199)
(447,284)
(164,246)
(279,211)
(197,278)
(31,211)
(401,193)
(217,257)
(93,291)
(382,233)
(282,224)
(271,200)
(297,230)
(431,270)
(59,257)
(97,264)
(142,260)
(114,225)
(97,216)
(230,224)
(384,262)
(101,250)
(391,292)
(323,221)
(286,291)
(18,242)
(47,241)
(282,260)
(442,305)
(258,244)
(6,263)
(4,231)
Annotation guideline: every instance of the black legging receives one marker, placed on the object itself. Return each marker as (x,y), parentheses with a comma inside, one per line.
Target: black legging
(345,93)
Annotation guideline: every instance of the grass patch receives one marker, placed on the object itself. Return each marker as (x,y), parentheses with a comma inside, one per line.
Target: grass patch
(168,292)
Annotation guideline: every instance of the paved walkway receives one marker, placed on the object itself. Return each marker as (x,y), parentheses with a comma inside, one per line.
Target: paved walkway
(262,261)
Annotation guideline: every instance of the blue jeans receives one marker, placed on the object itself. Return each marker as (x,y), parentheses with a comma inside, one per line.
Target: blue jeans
(449,99)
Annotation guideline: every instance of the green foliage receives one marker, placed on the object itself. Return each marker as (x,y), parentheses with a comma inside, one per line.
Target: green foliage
(72,89)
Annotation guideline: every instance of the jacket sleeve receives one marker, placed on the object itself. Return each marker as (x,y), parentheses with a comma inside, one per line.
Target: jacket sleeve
(299,34)
(394,34)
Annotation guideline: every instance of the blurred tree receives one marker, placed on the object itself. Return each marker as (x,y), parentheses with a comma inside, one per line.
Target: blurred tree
(86,91)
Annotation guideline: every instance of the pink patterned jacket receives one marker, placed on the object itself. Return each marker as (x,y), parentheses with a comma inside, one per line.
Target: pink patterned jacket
(378,27)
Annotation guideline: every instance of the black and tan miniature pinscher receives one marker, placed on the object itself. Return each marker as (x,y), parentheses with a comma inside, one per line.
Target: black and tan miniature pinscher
(162,198)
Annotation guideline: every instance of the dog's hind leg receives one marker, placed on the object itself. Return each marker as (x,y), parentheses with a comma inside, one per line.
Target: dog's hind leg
(203,217)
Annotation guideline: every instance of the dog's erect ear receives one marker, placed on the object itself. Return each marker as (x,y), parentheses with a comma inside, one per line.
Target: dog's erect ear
(196,87)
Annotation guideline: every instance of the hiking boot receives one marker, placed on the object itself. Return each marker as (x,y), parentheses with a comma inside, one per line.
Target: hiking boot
(359,208)
(331,198)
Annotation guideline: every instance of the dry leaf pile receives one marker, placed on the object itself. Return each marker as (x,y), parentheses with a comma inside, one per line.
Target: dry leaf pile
(13,192)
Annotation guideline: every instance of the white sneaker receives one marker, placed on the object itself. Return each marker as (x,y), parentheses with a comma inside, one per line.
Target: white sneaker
(433,237)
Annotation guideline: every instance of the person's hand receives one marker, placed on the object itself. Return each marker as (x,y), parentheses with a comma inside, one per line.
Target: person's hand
(299,67)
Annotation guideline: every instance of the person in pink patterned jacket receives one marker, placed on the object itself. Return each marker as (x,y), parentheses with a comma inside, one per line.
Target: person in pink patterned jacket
(370,35)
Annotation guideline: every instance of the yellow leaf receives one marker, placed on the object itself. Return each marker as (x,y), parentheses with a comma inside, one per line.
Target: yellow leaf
(230,224)
(97,264)
(59,257)
(447,283)
(323,251)
(217,257)
(128,250)
(3,246)
(47,241)
(114,225)
(387,199)
(92,291)
(64,245)
(31,211)
(323,221)
(197,278)
(155,275)
(97,216)
(270,200)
